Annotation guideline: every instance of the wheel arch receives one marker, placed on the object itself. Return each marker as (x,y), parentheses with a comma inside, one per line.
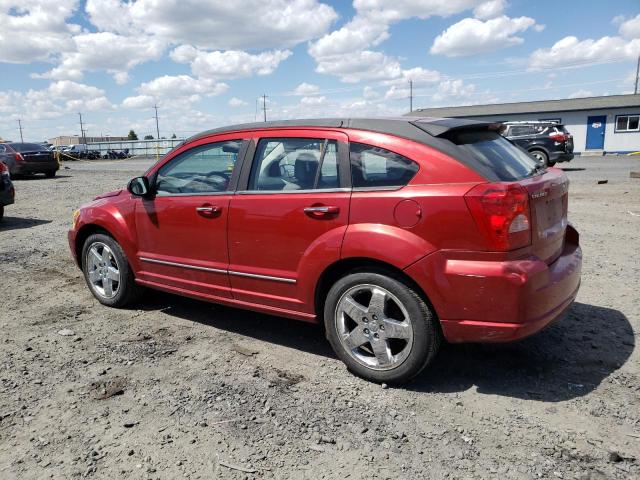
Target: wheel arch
(85,232)
(345,266)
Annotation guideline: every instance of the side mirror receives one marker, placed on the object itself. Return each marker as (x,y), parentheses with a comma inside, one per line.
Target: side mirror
(139,187)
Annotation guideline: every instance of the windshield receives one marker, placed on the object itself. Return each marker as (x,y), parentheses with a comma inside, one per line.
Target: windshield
(27,147)
(496,153)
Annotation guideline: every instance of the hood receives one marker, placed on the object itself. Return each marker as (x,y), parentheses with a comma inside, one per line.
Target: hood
(115,193)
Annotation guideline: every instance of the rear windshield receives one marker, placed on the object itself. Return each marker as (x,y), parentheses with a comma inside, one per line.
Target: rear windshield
(27,147)
(496,153)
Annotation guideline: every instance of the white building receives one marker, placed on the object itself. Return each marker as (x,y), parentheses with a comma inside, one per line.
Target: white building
(609,124)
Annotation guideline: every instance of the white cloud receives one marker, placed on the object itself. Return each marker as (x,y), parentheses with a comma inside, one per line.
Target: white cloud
(581,94)
(138,101)
(369,93)
(471,36)
(347,53)
(230,63)
(358,66)
(59,98)
(421,77)
(33,30)
(454,90)
(306,89)
(631,28)
(240,24)
(107,51)
(236,102)
(571,51)
(180,86)
(489,9)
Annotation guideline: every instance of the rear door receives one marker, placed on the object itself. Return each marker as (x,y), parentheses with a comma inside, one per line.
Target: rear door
(288,217)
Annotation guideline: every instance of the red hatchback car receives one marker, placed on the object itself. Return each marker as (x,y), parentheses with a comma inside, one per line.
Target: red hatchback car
(396,233)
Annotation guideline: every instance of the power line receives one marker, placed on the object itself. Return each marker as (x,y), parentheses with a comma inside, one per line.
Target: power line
(20,127)
(157,127)
(264,106)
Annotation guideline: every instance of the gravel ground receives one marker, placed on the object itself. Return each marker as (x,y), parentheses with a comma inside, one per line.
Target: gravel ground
(183,389)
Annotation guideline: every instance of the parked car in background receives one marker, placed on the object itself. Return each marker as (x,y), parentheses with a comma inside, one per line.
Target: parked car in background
(394,233)
(28,159)
(7,192)
(548,142)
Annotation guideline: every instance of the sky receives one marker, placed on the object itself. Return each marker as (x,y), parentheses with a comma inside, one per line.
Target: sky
(206,63)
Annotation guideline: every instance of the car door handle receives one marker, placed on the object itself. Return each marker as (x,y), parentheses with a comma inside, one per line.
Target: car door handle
(322,210)
(208,210)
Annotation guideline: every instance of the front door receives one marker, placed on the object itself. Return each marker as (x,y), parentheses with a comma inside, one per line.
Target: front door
(288,218)
(182,230)
(595,132)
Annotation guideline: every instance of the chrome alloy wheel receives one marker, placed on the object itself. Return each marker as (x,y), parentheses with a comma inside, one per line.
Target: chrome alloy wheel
(103,270)
(374,327)
(539,156)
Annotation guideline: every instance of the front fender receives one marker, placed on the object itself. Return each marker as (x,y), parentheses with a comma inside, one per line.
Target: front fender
(116,217)
(386,243)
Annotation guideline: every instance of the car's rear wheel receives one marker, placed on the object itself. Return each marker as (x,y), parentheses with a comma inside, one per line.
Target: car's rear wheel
(1,212)
(542,158)
(380,327)
(50,174)
(107,271)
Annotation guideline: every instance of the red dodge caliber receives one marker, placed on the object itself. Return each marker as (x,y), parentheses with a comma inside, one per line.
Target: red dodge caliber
(395,233)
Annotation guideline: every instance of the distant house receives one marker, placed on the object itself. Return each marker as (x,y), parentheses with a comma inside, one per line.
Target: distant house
(609,124)
(75,139)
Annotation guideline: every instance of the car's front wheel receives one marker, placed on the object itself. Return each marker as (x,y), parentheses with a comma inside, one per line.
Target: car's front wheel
(380,327)
(107,271)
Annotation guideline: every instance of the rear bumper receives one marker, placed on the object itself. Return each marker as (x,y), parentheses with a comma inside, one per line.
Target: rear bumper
(561,156)
(499,301)
(71,237)
(21,168)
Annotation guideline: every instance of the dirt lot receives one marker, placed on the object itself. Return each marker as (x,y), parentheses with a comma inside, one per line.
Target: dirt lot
(184,389)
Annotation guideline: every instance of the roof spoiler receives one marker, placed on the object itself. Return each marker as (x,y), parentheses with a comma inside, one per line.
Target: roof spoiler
(441,126)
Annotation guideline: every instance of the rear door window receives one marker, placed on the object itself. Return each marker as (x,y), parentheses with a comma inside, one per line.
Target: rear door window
(376,167)
(290,164)
(496,153)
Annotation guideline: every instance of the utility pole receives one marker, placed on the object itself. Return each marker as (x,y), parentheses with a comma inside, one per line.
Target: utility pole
(157,127)
(410,96)
(635,91)
(20,126)
(264,106)
(84,139)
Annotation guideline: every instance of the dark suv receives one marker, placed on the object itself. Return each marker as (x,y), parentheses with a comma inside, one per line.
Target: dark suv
(548,142)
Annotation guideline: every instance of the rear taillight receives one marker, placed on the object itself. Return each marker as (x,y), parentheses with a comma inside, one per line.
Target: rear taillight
(501,211)
(558,137)
(18,157)
(3,169)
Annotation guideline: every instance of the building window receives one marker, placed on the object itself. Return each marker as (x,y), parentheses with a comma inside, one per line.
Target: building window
(628,123)
(551,120)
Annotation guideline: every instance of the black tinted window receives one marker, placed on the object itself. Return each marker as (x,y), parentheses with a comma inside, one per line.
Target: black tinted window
(377,167)
(201,170)
(27,147)
(285,164)
(495,152)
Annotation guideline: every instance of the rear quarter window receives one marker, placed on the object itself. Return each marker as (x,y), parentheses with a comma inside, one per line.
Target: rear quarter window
(507,161)
(376,167)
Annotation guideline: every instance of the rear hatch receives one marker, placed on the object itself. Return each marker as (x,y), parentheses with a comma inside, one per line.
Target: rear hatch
(568,144)
(508,165)
(34,153)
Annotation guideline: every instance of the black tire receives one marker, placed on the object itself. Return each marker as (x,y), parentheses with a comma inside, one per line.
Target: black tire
(426,334)
(1,212)
(541,157)
(50,174)
(127,291)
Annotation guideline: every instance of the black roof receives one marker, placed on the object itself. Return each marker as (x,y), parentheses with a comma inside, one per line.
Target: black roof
(429,131)
(401,126)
